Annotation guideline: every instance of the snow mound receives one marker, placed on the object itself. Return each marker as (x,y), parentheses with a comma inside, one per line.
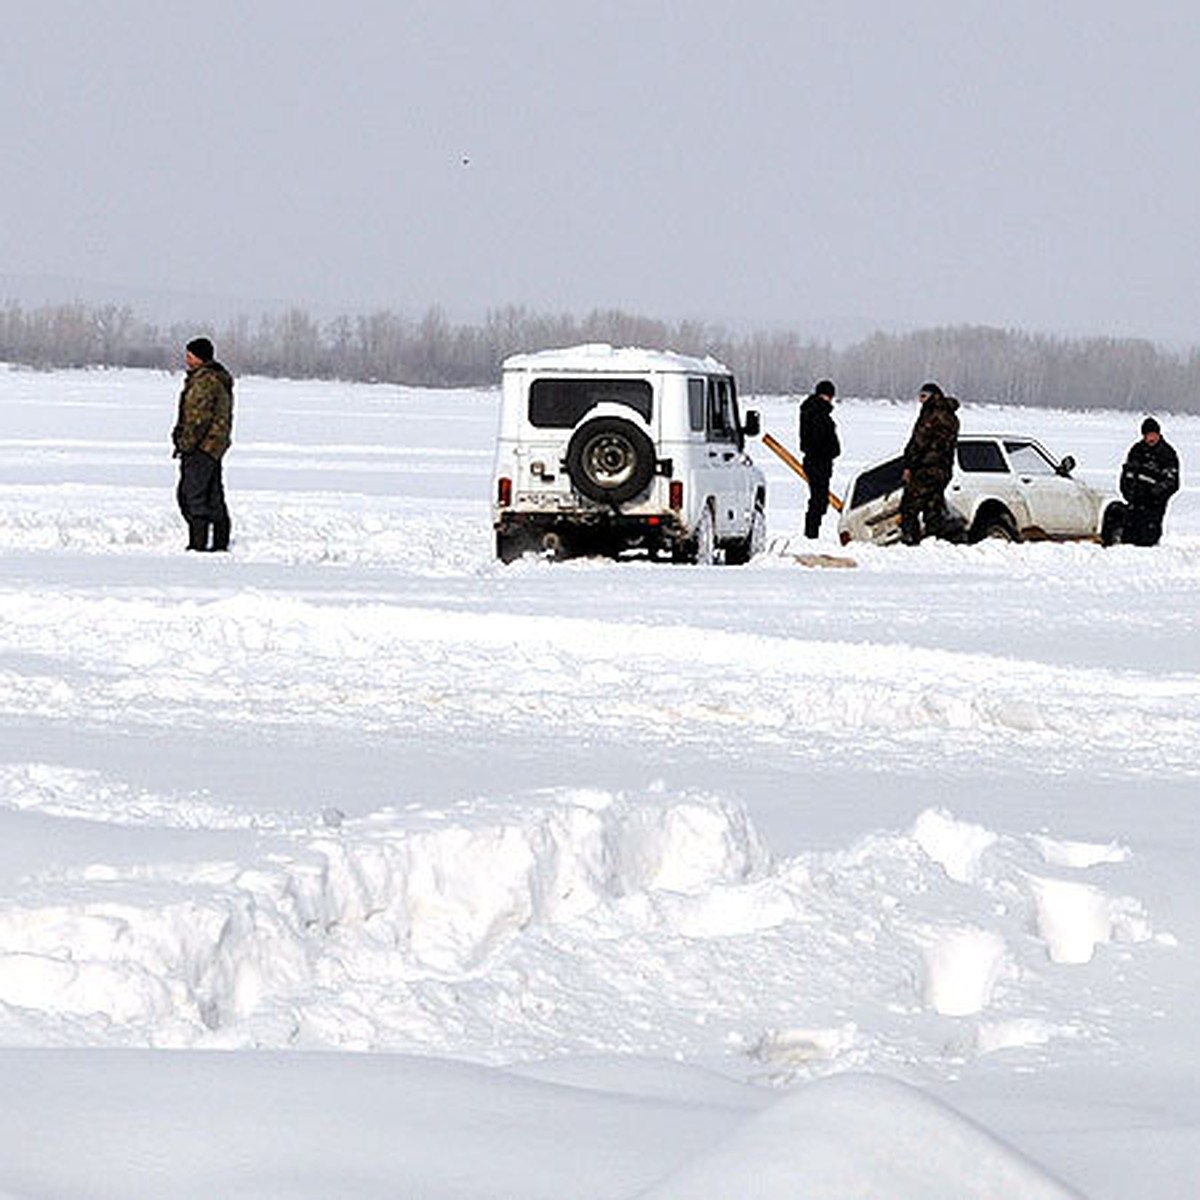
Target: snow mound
(572,921)
(860,1135)
(957,845)
(963,965)
(1075,918)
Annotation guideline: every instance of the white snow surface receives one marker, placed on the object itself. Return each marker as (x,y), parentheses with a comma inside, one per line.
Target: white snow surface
(356,864)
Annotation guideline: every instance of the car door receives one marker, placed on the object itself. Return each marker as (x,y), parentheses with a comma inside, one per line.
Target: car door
(983,475)
(1057,505)
(724,473)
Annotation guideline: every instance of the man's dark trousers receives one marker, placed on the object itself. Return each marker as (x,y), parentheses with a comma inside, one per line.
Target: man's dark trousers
(201,497)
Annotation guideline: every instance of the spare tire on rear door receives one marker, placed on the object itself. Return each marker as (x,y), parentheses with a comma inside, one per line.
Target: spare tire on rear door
(610,460)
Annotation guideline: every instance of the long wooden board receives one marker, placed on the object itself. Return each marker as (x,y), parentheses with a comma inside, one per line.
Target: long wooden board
(796,465)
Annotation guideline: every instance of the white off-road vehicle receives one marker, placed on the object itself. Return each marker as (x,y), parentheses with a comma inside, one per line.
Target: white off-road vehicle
(604,450)
(1003,486)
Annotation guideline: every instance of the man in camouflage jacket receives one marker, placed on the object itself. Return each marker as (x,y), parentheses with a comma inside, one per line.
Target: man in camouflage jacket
(928,464)
(201,436)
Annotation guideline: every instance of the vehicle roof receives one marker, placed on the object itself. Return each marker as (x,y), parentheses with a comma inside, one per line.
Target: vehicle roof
(968,437)
(601,357)
(999,437)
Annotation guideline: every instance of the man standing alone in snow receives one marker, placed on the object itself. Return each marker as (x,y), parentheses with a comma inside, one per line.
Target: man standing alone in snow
(928,465)
(201,436)
(820,446)
(1149,478)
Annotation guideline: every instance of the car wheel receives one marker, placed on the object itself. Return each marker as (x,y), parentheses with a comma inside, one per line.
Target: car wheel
(999,526)
(610,460)
(1112,529)
(744,549)
(704,540)
(511,546)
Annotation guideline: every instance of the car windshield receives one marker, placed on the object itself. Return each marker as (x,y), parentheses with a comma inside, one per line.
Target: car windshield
(562,403)
(1029,459)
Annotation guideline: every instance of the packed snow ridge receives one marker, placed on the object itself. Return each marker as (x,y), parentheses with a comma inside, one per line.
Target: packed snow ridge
(514,930)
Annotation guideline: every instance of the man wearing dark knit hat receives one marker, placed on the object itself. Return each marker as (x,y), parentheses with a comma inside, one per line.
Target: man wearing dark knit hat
(1149,478)
(201,436)
(820,446)
(928,465)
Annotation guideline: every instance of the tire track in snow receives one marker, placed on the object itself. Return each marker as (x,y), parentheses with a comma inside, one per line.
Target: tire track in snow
(282,660)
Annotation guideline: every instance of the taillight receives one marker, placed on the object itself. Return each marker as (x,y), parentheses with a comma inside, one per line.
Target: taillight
(504,492)
(675,494)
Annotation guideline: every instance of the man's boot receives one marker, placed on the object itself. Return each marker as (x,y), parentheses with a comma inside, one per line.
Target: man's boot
(220,533)
(197,533)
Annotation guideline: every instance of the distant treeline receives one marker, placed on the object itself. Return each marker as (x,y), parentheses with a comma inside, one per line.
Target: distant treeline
(976,363)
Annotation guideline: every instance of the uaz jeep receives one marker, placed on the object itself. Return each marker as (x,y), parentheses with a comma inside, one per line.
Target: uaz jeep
(603,450)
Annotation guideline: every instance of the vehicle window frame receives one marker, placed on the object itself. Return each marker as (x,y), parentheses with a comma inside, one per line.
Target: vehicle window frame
(721,425)
(1045,465)
(999,465)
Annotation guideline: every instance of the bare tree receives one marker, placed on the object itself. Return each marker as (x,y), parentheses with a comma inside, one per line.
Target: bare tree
(980,363)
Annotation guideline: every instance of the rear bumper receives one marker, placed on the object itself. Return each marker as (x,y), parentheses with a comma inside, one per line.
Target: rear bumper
(600,527)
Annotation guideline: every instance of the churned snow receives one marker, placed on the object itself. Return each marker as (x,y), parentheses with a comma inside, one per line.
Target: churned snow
(587,879)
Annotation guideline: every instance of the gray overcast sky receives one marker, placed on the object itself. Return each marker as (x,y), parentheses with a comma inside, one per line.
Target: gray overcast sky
(755,163)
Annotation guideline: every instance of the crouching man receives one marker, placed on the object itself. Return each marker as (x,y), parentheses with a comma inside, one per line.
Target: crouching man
(1149,478)
(201,436)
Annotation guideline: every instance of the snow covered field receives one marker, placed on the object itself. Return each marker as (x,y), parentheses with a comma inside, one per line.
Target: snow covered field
(588,879)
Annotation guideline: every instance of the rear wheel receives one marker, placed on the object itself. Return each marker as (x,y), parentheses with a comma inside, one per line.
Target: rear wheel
(999,526)
(738,553)
(1112,529)
(511,545)
(703,547)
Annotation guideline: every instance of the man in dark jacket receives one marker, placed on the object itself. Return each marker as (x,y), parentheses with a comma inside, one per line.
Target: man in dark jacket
(201,436)
(820,446)
(928,464)
(1149,478)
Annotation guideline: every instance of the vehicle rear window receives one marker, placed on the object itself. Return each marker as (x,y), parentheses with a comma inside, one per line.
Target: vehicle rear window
(981,456)
(561,403)
(877,482)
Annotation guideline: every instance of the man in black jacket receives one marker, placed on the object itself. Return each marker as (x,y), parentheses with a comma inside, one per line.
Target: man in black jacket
(820,446)
(1149,478)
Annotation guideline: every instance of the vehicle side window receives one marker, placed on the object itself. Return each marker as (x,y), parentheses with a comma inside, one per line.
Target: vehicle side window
(562,403)
(1028,459)
(696,405)
(981,456)
(721,427)
(878,481)
(735,417)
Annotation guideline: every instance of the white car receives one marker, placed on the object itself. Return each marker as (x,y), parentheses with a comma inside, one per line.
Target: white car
(1004,486)
(603,450)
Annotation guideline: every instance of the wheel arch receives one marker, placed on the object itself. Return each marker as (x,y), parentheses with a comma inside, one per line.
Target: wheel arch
(988,511)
